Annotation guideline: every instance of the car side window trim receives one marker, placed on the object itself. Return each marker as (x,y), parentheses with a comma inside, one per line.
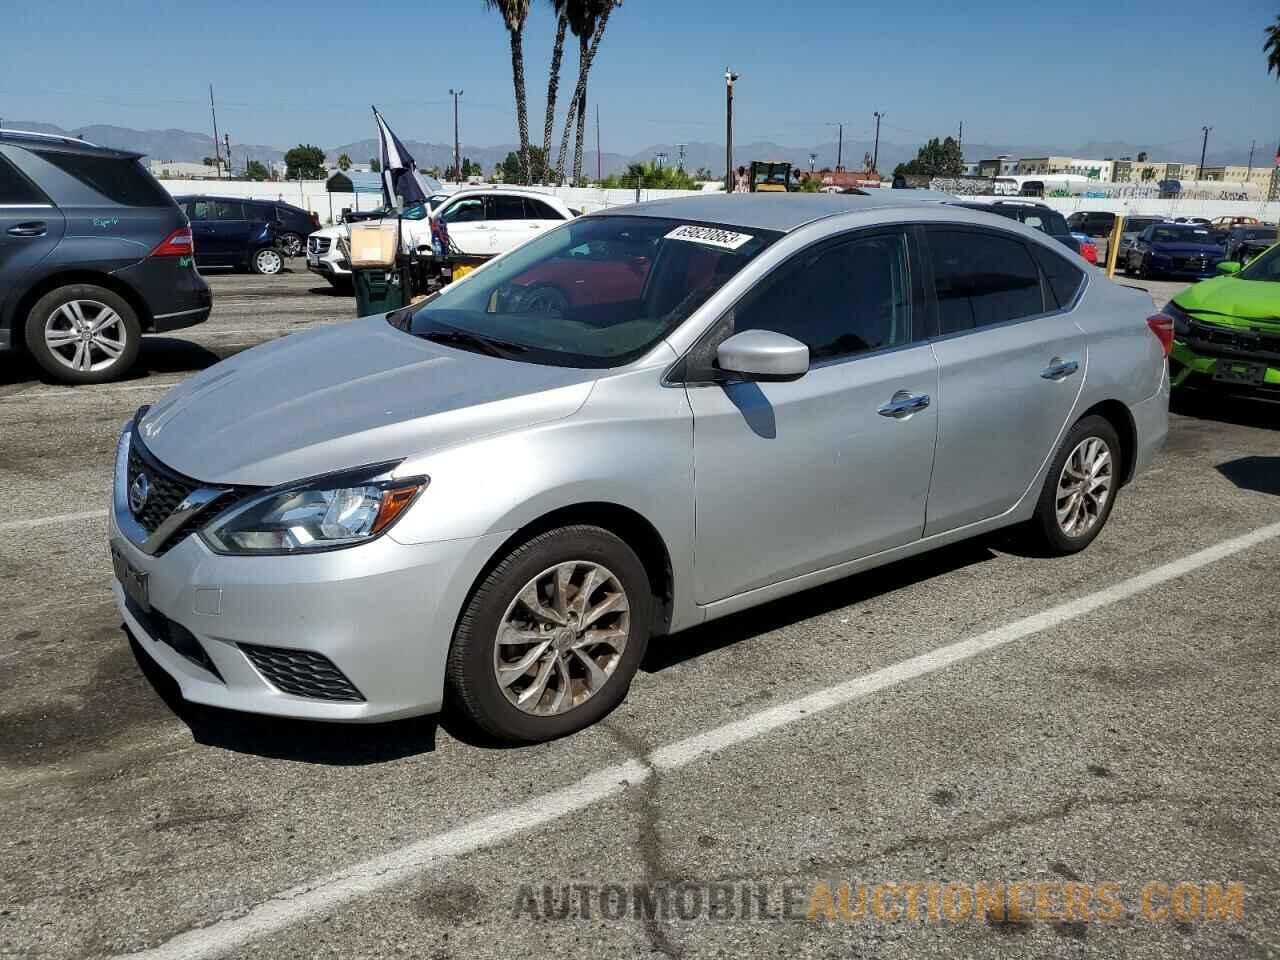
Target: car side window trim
(678,373)
(1046,294)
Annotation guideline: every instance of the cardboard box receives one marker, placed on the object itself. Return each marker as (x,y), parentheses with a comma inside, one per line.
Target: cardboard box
(373,245)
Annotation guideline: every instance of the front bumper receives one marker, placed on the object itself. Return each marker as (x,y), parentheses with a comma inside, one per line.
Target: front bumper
(382,614)
(330,267)
(1194,363)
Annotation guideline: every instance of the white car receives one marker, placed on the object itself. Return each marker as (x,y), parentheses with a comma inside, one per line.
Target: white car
(479,221)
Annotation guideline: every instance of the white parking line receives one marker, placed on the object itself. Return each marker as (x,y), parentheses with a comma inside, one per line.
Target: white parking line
(7,525)
(315,898)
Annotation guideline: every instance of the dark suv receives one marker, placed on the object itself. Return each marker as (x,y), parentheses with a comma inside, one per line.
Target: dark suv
(93,253)
(1044,218)
(216,220)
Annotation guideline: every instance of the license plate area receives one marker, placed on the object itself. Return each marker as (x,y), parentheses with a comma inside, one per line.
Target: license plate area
(313,260)
(1237,371)
(132,580)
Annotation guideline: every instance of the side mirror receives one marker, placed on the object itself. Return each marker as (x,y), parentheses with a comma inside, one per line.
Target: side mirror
(763,355)
(1228,267)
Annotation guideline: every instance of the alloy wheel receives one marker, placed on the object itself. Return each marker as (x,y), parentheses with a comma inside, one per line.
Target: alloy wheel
(85,335)
(1084,487)
(561,638)
(292,244)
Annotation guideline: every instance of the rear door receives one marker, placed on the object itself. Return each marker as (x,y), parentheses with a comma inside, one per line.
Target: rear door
(30,227)
(509,223)
(790,478)
(1011,364)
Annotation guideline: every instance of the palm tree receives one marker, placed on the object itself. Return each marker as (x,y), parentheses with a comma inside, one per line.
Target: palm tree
(553,81)
(344,162)
(514,15)
(587,20)
(1272,47)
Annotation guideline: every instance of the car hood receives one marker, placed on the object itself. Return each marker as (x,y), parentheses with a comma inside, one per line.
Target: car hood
(344,396)
(1234,302)
(1188,249)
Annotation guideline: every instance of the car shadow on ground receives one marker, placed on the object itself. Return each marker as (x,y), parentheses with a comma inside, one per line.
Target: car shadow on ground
(1259,474)
(1241,410)
(666,652)
(156,355)
(328,291)
(304,741)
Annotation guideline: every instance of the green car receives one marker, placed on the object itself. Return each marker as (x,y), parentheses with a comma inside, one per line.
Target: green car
(1226,331)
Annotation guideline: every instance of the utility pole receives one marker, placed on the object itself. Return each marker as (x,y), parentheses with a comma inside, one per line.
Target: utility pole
(599,161)
(1203,147)
(661,159)
(226,139)
(729,77)
(457,147)
(960,141)
(1252,146)
(813,158)
(875,155)
(840,150)
(217,150)
(680,161)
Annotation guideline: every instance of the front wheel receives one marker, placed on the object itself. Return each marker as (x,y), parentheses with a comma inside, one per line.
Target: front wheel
(291,244)
(267,262)
(551,638)
(83,333)
(1080,489)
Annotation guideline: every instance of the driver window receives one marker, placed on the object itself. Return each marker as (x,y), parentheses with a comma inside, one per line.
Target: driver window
(842,300)
(470,210)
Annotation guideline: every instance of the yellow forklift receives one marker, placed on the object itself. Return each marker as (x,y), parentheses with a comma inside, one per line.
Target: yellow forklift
(770,176)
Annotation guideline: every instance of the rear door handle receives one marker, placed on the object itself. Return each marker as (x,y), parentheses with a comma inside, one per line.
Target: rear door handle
(903,404)
(1059,369)
(33,228)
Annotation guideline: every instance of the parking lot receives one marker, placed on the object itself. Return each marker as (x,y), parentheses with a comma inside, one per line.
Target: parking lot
(974,716)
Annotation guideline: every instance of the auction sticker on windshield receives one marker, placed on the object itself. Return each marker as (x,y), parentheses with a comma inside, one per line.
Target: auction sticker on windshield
(710,236)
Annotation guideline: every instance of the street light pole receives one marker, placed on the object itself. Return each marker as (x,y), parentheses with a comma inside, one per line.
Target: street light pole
(1203,147)
(1249,173)
(729,77)
(457,147)
(875,155)
(840,149)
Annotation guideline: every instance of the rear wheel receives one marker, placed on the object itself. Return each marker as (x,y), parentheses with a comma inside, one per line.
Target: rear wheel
(83,333)
(1080,488)
(550,640)
(267,262)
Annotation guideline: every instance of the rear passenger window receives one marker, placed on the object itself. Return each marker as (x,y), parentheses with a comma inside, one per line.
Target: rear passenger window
(1064,277)
(847,299)
(120,180)
(505,208)
(982,278)
(540,211)
(15,188)
(228,210)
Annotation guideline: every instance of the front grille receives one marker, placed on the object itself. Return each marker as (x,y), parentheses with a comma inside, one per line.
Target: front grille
(1198,264)
(302,673)
(318,244)
(168,487)
(1221,341)
(173,634)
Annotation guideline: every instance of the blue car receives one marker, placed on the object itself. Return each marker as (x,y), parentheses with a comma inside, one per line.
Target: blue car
(234,233)
(1174,250)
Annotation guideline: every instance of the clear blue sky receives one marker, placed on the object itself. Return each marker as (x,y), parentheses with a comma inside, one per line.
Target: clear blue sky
(288,71)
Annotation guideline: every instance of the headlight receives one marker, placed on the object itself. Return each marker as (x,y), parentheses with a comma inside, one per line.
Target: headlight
(325,513)
(1181,320)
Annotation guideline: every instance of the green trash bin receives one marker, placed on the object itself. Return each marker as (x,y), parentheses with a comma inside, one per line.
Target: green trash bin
(379,290)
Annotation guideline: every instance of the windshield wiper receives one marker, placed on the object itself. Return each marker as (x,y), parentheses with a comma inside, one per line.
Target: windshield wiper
(475,343)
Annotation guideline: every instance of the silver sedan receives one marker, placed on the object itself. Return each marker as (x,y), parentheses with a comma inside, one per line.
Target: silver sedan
(634,423)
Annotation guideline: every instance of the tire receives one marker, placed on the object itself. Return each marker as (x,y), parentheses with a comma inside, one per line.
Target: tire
(545,298)
(472,672)
(291,244)
(1047,531)
(109,351)
(267,261)
(342,284)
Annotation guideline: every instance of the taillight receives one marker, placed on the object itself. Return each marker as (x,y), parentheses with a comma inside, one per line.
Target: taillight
(1162,326)
(176,244)
(315,219)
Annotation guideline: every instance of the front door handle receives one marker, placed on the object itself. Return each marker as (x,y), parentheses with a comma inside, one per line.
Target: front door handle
(1059,369)
(32,228)
(903,404)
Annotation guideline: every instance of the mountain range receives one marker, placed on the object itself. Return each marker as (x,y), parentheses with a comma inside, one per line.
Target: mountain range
(185,145)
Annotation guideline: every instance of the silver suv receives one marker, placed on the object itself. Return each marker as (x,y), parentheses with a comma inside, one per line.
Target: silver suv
(634,423)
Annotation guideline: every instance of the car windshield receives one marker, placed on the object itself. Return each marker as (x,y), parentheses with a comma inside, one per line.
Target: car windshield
(596,292)
(1181,234)
(1136,225)
(1265,267)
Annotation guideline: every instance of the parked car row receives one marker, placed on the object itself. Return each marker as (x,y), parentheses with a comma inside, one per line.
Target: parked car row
(246,234)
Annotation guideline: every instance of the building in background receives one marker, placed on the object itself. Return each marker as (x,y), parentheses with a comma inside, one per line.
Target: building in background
(1001,166)
(183,170)
(1239,174)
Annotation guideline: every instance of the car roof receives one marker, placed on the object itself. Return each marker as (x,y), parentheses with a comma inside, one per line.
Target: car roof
(65,144)
(783,212)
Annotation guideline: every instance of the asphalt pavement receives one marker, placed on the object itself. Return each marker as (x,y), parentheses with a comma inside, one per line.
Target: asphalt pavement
(1104,723)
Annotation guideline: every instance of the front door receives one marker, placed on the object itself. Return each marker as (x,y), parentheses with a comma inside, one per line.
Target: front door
(468,229)
(794,477)
(1010,374)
